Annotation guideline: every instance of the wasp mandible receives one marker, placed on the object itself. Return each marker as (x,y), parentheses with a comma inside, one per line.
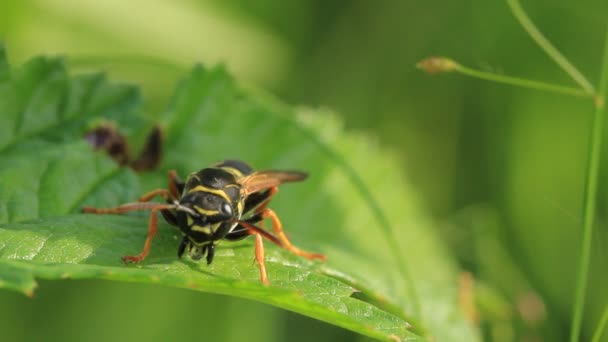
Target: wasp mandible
(227,201)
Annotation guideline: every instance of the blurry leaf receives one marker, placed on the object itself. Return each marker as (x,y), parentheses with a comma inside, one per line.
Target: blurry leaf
(355,207)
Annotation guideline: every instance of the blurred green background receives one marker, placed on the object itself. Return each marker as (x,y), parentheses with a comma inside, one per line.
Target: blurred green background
(501,169)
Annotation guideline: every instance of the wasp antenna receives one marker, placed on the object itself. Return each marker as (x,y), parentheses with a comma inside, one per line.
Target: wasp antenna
(190,211)
(125,208)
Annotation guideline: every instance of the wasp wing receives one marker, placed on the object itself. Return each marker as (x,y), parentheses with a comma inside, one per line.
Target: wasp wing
(262,180)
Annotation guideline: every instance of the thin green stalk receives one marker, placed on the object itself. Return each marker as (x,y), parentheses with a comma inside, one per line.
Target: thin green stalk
(601,326)
(590,197)
(546,46)
(521,82)
(435,65)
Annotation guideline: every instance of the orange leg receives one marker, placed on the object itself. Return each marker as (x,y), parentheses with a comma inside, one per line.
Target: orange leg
(164,193)
(259,233)
(172,187)
(172,193)
(152,228)
(152,223)
(259,257)
(253,230)
(277,227)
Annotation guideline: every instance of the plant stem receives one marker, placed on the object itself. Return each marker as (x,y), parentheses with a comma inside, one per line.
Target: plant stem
(521,82)
(546,46)
(590,197)
(434,65)
(601,326)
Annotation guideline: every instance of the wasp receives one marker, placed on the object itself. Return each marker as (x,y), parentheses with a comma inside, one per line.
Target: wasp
(227,201)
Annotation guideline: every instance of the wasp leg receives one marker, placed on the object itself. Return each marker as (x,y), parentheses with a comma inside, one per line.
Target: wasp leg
(239,233)
(251,229)
(139,206)
(152,228)
(170,195)
(164,193)
(176,186)
(182,247)
(246,229)
(277,228)
(280,240)
(167,214)
(259,257)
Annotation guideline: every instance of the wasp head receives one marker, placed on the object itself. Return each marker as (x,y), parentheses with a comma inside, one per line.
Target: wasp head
(204,218)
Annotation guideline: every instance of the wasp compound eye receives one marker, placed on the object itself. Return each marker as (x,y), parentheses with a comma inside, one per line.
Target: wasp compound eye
(226,209)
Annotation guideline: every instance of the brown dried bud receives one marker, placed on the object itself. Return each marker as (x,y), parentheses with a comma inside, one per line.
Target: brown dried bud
(435,65)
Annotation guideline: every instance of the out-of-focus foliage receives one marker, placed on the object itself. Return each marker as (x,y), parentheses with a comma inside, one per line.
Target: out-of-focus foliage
(463,142)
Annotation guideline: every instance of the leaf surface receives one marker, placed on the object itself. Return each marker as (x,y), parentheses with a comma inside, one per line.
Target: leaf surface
(387,275)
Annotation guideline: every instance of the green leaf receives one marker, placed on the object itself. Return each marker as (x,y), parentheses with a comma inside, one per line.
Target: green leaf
(387,275)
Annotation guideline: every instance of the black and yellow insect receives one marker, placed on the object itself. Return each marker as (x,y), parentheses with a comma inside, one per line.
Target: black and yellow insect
(227,201)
